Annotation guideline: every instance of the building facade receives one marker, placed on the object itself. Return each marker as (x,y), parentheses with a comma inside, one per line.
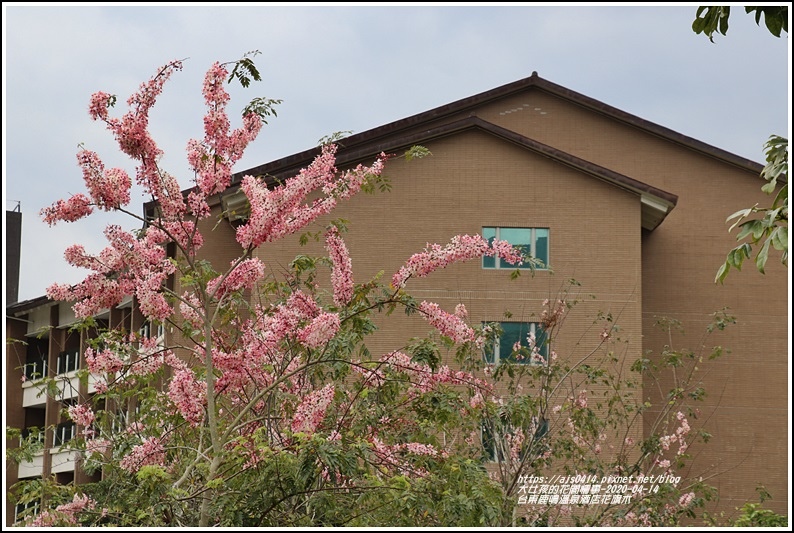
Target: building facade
(633,211)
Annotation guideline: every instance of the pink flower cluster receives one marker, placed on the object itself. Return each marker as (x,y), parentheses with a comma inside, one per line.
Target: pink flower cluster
(515,441)
(102,362)
(260,346)
(127,266)
(320,330)
(191,309)
(581,400)
(99,446)
(149,361)
(449,325)
(110,189)
(281,211)
(686,499)
(184,233)
(131,133)
(271,329)
(214,158)
(422,377)
(244,276)
(82,414)
(189,395)
(311,411)
(66,512)
(392,456)
(679,436)
(460,248)
(150,452)
(342,274)
(75,208)
(550,317)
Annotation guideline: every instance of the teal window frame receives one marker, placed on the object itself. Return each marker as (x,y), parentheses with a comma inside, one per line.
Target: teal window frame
(533,242)
(502,347)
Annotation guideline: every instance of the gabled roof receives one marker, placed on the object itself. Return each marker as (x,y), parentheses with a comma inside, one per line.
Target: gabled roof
(431,118)
(656,203)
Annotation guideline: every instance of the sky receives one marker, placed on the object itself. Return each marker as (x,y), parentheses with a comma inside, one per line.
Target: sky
(350,68)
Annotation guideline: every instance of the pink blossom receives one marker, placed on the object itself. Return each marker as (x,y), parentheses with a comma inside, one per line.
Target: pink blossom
(127,266)
(64,513)
(198,205)
(102,362)
(131,133)
(215,156)
(320,330)
(147,364)
(184,233)
(461,312)
(109,189)
(82,414)
(449,325)
(75,208)
(243,276)
(311,411)
(150,452)
(279,211)
(342,274)
(98,108)
(666,440)
(460,248)
(99,446)
(581,401)
(189,396)
(191,309)
(686,499)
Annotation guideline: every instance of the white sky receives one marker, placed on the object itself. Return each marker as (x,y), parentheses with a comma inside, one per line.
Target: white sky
(351,68)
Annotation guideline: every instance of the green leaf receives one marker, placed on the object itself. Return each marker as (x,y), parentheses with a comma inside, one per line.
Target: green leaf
(741,213)
(780,238)
(763,254)
(747,228)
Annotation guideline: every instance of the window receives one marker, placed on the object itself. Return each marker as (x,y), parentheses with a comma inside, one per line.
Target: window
(148,330)
(35,367)
(34,435)
(25,510)
(504,346)
(64,433)
(67,362)
(533,242)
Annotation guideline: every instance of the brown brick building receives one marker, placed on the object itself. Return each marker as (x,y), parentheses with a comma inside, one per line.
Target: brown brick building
(633,211)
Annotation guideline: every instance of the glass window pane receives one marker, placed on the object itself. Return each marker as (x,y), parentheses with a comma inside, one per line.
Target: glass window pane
(521,238)
(540,341)
(542,245)
(489,234)
(512,332)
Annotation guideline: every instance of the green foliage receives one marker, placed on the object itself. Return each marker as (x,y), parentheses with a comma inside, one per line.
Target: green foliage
(712,19)
(262,107)
(417,152)
(771,230)
(334,138)
(245,69)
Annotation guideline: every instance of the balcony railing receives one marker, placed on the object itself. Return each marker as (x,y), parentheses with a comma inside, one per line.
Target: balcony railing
(67,362)
(36,369)
(64,433)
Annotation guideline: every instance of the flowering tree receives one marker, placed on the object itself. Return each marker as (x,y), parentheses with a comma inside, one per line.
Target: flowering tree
(263,406)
